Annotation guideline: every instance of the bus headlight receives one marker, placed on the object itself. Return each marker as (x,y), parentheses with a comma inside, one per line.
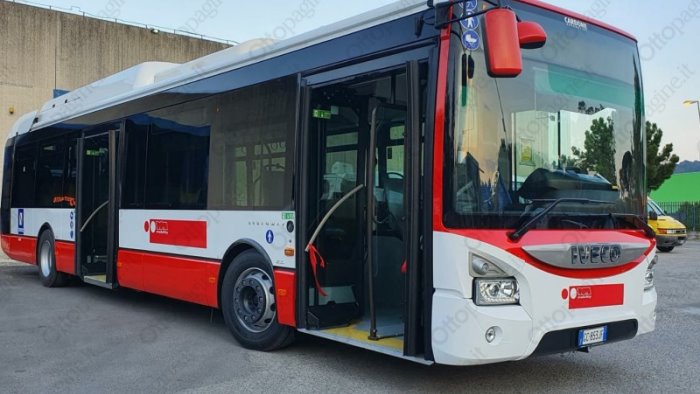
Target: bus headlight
(497,291)
(649,276)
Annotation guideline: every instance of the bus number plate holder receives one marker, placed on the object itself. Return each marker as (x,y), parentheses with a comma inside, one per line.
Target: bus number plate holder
(593,336)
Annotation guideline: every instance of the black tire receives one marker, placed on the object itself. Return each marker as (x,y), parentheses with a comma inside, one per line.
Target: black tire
(46,261)
(248,305)
(665,249)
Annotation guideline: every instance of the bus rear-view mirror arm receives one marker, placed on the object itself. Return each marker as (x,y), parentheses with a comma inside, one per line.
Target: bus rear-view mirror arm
(505,35)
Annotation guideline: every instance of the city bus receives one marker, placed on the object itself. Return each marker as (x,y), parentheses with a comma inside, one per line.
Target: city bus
(451,182)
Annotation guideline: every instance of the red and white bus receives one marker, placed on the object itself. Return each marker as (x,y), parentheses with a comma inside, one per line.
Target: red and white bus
(453,182)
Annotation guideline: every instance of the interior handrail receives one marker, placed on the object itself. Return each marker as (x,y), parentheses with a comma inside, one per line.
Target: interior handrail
(330,213)
(82,229)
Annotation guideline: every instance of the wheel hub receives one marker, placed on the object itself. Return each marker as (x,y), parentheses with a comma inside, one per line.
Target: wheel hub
(253,300)
(45,259)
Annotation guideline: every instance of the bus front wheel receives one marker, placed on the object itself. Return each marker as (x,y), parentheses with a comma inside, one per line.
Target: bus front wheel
(248,304)
(46,260)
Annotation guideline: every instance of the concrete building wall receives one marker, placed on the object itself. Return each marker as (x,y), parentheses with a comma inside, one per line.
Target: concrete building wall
(42,50)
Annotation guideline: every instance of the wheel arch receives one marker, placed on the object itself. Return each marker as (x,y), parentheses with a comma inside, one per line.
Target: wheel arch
(236,249)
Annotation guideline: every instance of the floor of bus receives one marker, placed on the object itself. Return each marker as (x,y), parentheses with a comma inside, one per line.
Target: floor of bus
(390,327)
(98,278)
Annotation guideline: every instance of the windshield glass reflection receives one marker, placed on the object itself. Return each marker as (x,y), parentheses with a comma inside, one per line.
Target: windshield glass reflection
(568,127)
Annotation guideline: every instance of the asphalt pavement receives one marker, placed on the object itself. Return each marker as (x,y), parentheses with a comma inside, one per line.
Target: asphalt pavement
(86,339)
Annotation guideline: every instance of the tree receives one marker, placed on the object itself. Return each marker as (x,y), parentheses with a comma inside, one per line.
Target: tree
(660,164)
(599,149)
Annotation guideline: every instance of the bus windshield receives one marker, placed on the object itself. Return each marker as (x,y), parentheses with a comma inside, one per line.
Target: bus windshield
(570,126)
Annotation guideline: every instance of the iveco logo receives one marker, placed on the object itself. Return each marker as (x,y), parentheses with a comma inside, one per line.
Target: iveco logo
(603,254)
(588,256)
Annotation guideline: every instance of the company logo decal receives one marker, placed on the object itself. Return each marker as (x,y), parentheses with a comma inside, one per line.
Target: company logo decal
(159,227)
(576,24)
(587,256)
(596,254)
(581,293)
(582,297)
(184,233)
(67,199)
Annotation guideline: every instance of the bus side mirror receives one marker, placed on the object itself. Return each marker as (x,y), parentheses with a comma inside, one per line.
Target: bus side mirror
(531,35)
(653,215)
(502,44)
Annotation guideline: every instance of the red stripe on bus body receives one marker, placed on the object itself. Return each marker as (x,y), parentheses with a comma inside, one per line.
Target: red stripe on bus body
(285,297)
(65,257)
(439,134)
(583,297)
(18,248)
(182,278)
(186,233)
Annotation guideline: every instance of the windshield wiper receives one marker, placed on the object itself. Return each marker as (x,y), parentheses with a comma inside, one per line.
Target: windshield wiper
(527,226)
(638,222)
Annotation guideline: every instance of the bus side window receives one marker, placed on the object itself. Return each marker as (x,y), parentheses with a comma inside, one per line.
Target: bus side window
(252,147)
(23,187)
(49,175)
(178,158)
(70,176)
(134,179)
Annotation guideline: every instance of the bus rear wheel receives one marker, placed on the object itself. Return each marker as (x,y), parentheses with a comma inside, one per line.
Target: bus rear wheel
(46,260)
(665,249)
(248,304)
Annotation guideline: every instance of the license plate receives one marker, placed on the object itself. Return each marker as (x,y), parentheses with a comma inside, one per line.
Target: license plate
(593,336)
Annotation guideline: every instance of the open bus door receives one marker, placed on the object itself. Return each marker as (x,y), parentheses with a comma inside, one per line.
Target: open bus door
(361,212)
(96,210)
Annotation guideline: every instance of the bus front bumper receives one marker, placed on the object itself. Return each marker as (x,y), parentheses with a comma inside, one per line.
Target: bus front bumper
(459,337)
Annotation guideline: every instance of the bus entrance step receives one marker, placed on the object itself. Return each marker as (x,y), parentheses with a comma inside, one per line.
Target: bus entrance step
(96,259)
(332,315)
(98,280)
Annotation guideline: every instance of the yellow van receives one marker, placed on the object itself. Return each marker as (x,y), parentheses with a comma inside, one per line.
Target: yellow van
(669,231)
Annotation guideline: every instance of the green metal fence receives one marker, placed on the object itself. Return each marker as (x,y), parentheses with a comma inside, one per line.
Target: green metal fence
(686,212)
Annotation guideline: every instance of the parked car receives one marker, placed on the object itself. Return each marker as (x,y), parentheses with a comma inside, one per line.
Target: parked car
(669,231)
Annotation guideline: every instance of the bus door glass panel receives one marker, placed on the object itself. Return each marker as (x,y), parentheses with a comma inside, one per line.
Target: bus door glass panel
(94,204)
(336,130)
(389,216)
(341,129)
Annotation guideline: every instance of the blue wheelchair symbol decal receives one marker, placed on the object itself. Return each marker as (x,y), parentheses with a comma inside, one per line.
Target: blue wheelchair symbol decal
(470,40)
(470,5)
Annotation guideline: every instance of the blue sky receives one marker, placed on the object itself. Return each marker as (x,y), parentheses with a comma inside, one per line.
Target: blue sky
(668,34)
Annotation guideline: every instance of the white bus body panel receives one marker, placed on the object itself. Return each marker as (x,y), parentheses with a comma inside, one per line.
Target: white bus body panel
(269,230)
(223,228)
(459,326)
(28,222)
